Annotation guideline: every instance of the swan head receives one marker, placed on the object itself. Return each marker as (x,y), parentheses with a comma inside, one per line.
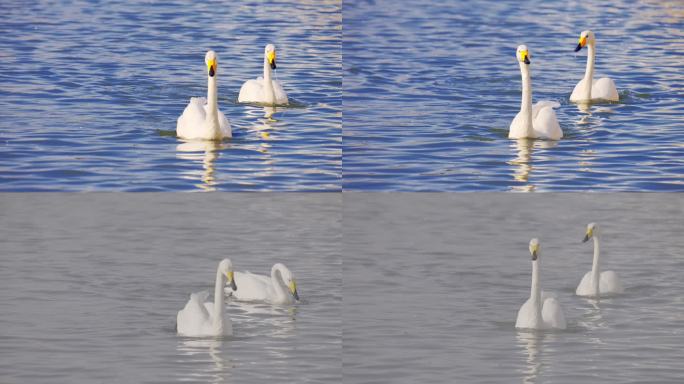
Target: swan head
(210,59)
(523,54)
(288,279)
(534,248)
(586,37)
(270,55)
(592,228)
(226,269)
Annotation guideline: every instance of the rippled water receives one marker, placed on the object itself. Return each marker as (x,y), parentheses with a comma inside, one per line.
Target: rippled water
(430,88)
(90,94)
(433,283)
(90,286)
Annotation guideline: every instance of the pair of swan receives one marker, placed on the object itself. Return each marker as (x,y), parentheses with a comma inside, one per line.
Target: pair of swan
(539,121)
(542,310)
(202,120)
(200,318)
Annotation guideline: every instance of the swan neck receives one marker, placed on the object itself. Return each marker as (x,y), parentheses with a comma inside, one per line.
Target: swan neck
(277,280)
(589,72)
(268,83)
(218,302)
(526,102)
(535,292)
(212,105)
(596,267)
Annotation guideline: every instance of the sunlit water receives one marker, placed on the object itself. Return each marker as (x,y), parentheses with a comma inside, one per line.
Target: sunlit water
(90,94)
(433,284)
(431,87)
(90,286)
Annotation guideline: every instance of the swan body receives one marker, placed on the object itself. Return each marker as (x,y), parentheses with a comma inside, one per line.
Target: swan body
(201,118)
(589,89)
(596,283)
(538,121)
(204,319)
(541,310)
(264,90)
(279,288)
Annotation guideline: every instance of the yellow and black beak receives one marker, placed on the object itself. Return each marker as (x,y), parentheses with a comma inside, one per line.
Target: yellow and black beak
(271,57)
(231,280)
(535,252)
(293,289)
(211,67)
(582,42)
(588,235)
(525,57)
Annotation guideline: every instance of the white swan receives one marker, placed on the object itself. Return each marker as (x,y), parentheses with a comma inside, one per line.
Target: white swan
(589,89)
(201,119)
(264,90)
(541,310)
(538,121)
(199,318)
(596,283)
(280,288)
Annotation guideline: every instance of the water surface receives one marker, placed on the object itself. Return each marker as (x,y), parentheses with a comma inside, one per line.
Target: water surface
(90,94)
(91,284)
(433,284)
(431,87)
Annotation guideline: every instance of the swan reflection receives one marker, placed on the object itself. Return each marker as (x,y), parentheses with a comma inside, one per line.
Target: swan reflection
(206,152)
(533,344)
(204,359)
(522,163)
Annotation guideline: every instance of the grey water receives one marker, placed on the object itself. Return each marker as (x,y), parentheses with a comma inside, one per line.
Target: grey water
(90,93)
(430,89)
(433,284)
(90,286)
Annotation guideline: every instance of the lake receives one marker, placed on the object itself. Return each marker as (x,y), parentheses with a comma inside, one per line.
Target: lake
(431,87)
(433,284)
(90,95)
(91,285)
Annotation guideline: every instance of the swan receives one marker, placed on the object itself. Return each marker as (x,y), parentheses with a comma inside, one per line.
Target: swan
(541,310)
(201,119)
(280,288)
(264,90)
(538,121)
(199,318)
(589,89)
(596,283)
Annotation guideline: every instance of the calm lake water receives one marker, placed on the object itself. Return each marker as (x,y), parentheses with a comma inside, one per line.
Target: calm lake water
(433,284)
(90,94)
(90,286)
(430,89)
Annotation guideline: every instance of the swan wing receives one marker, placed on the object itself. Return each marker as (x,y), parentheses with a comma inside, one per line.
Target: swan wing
(224,125)
(584,287)
(517,130)
(553,315)
(280,95)
(192,119)
(251,91)
(609,283)
(526,316)
(604,89)
(539,105)
(545,123)
(193,318)
(251,287)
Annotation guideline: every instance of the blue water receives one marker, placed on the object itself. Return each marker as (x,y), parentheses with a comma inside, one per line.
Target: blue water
(90,94)
(430,88)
